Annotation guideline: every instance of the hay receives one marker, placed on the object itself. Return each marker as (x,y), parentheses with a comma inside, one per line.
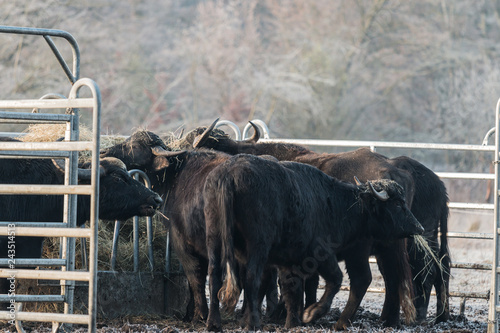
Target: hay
(186,142)
(125,252)
(422,246)
(51,133)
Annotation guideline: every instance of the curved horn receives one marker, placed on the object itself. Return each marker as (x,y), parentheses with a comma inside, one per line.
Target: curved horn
(59,164)
(84,174)
(256,134)
(357,181)
(200,139)
(382,195)
(160,151)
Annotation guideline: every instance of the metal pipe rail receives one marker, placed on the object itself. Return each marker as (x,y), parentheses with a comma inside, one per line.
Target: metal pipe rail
(47,34)
(68,231)
(137,175)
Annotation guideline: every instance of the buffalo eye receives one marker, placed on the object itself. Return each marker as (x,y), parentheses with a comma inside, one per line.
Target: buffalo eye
(117,178)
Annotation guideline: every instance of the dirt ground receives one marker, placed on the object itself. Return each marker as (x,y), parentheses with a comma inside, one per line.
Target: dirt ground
(473,319)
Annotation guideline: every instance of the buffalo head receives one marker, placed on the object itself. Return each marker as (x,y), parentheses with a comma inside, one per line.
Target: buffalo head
(143,150)
(389,215)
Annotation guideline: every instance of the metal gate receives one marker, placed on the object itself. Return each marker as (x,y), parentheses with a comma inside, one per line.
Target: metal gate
(14,269)
(492,295)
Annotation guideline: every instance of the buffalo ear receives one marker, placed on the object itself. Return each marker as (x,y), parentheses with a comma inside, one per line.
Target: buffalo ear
(160,163)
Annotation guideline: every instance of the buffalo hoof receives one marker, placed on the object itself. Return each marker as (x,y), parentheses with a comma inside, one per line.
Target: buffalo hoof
(214,326)
(292,321)
(442,318)
(279,313)
(392,323)
(341,325)
(313,312)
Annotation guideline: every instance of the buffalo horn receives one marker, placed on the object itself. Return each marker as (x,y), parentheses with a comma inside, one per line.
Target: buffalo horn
(160,151)
(357,181)
(256,134)
(82,173)
(382,195)
(200,139)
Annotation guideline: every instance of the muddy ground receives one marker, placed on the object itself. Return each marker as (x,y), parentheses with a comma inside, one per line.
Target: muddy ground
(473,319)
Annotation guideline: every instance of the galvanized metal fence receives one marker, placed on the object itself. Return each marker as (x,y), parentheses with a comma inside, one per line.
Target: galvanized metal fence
(13,268)
(138,175)
(486,207)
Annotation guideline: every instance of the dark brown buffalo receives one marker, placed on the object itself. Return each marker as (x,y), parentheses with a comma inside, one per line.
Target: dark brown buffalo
(421,185)
(178,176)
(294,216)
(120,197)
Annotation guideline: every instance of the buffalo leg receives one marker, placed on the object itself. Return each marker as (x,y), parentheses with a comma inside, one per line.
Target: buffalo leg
(253,278)
(358,268)
(442,295)
(272,291)
(195,268)
(311,288)
(424,275)
(215,283)
(392,261)
(291,290)
(331,273)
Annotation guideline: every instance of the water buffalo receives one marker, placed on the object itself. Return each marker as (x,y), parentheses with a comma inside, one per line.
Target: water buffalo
(392,257)
(426,195)
(120,197)
(179,177)
(294,216)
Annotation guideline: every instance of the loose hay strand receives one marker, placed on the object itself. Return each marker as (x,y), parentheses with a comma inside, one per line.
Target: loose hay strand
(423,246)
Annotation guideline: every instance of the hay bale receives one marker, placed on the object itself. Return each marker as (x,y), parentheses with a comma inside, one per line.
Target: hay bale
(51,133)
(186,142)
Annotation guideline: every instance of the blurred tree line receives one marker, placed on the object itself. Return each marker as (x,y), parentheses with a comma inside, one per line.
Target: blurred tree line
(424,71)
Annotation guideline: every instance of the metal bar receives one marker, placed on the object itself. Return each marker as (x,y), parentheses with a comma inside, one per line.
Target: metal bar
(46,317)
(32,298)
(465,205)
(57,146)
(465,175)
(55,33)
(472,294)
(44,274)
(231,125)
(149,232)
(94,202)
(381,144)
(469,265)
(68,103)
(17,154)
(22,262)
(114,249)
(45,189)
(48,232)
(136,243)
(495,278)
(34,224)
(72,78)
(49,117)
(470,235)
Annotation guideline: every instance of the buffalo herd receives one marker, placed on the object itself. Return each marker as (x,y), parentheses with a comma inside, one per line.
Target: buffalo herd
(244,213)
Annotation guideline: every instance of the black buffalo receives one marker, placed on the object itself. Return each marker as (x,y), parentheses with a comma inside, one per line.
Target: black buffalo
(178,176)
(294,216)
(430,207)
(427,197)
(391,256)
(120,197)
